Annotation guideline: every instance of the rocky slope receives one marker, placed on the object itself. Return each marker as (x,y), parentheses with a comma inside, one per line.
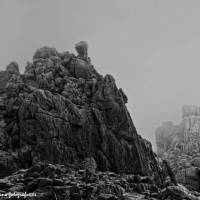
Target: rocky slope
(63,123)
(59,182)
(180,145)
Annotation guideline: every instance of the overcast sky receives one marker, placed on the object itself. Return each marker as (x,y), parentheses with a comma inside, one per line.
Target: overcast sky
(151,47)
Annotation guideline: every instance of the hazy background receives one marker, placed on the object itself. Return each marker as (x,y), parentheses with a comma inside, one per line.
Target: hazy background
(152,47)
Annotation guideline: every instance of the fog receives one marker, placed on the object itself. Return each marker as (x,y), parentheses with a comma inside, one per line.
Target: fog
(151,47)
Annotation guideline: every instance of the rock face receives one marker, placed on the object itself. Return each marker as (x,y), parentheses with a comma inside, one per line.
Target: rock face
(180,145)
(53,112)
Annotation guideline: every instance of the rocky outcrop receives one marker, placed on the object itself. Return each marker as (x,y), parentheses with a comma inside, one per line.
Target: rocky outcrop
(180,145)
(66,133)
(62,110)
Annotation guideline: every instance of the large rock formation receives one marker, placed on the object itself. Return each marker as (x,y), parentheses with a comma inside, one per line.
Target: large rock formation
(62,122)
(62,110)
(180,145)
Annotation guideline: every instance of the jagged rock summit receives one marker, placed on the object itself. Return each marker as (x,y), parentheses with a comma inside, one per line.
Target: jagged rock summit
(62,110)
(62,124)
